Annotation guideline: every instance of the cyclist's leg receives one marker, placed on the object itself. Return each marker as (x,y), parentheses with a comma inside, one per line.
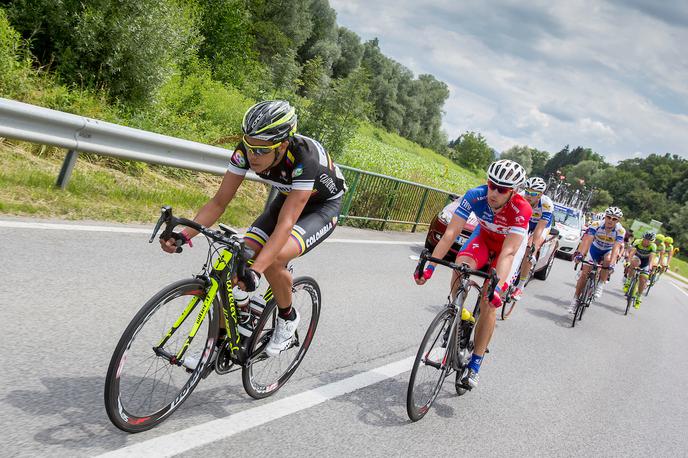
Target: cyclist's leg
(484,328)
(525,263)
(606,262)
(316,223)
(473,253)
(519,257)
(644,275)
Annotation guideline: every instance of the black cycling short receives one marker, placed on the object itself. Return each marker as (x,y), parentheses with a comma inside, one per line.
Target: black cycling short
(316,223)
(644,262)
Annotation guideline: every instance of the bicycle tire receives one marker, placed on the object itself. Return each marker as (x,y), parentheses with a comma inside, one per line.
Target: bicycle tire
(122,413)
(508,306)
(630,296)
(302,286)
(651,283)
(446,319)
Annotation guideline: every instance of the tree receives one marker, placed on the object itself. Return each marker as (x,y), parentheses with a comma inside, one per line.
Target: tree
(229,44)
(351,53)
(567,157)
(472,151)
(334,116)
(129,48)
(601,199)
(540,159)
(677,226)
(322,41)
(580,175)
(313,77)
(521,154)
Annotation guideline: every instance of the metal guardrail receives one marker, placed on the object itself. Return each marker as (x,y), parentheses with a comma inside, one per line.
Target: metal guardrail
(373,200)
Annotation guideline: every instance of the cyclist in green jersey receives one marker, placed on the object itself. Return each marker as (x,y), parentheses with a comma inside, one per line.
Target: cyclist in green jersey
(668,253)
(642,256)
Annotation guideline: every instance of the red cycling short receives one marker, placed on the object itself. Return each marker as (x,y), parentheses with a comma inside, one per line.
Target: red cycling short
(479,247)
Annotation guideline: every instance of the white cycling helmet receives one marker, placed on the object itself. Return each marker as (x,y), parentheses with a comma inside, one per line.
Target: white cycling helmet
(536,184)
(614,211)
(507,173)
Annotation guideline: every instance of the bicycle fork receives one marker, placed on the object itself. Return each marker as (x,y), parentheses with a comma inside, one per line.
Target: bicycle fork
(207,303)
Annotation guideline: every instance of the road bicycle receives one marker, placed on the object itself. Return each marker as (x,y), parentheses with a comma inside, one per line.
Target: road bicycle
(194,327)
(585,299)
(448,343)
(632,291)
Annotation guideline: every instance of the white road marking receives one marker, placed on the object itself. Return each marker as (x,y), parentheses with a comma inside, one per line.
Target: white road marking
(679,288)
(215,430)
(135,230)
(72,227)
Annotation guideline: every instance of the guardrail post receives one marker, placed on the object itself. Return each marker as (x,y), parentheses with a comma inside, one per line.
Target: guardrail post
(420,209)
(390,204)
(66,170)
(350,196)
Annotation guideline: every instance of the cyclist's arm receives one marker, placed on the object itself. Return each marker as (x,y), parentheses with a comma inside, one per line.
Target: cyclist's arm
(615,252)
(453,230)
(584,246)
(215,207)
(288,215)
(512,243)
(537,234)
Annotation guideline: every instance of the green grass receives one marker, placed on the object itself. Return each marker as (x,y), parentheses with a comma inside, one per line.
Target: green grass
(376,150)
(98,192)
(679,266)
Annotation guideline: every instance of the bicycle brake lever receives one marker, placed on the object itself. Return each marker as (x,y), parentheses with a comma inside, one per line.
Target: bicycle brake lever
(421,263)
(164,212)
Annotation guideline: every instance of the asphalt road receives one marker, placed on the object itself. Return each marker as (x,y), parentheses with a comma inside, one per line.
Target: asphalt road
(612,386)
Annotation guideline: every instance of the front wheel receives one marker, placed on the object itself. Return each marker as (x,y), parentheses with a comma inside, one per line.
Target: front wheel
(264,375)
(430,366)
(630,295)
(145,382)
(509,303)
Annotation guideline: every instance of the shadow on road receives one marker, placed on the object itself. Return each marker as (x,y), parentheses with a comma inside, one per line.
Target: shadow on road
(384,404)
(79,401)
(558,313)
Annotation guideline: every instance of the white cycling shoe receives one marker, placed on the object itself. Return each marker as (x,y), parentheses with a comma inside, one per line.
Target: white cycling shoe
(283,335)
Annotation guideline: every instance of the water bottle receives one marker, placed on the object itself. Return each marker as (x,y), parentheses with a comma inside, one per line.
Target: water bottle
(241,299)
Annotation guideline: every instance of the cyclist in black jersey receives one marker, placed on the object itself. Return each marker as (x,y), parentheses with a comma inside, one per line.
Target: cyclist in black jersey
(304,213)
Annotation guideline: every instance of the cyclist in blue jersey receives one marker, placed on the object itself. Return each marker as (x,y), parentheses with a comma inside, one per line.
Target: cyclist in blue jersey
(538,226)
(601,243)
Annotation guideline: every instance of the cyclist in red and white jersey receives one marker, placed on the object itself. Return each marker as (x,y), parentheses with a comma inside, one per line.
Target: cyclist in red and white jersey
(503,231)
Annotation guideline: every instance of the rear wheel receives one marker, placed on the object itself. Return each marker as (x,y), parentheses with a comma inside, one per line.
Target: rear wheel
(544,273)
(264,375)
(430,366)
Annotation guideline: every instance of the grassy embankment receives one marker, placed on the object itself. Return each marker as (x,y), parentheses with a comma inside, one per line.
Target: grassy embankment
(111,190)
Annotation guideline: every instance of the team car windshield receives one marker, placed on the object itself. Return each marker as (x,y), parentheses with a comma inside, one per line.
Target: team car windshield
(567,218)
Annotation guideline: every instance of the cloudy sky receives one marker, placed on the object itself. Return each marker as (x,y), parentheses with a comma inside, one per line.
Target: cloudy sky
(612,76)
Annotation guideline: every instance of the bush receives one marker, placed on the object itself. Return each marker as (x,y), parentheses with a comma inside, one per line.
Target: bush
(129,48)
(15,66)
(197,108)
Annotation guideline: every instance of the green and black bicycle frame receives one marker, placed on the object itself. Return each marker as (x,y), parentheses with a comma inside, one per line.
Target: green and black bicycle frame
(218,284)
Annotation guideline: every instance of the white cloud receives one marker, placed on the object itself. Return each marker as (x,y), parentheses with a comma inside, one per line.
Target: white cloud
(610,76)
